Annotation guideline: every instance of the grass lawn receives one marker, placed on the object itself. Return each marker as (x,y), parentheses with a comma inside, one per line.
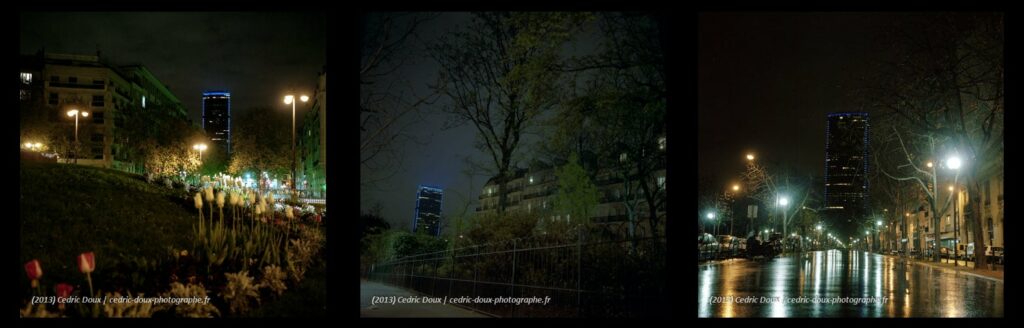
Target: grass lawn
(129,225)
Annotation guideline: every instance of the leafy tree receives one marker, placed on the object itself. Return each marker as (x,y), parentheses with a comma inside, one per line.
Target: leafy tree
(577,195)
(261,142)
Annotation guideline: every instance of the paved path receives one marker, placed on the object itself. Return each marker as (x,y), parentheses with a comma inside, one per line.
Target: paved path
(368,289)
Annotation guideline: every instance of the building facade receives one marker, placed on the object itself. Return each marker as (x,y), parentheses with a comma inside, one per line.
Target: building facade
(846,169)
(428,210)
(53,84)
(312,172)
(534,189)
(217,119)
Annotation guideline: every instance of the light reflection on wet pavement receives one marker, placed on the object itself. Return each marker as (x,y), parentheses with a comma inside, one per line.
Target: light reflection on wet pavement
(785,287)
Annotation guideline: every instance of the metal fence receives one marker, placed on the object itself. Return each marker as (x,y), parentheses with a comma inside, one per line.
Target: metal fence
(577,276)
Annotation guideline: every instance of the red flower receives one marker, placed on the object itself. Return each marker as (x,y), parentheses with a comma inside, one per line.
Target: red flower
(64,290)
(86,262)
(34,270)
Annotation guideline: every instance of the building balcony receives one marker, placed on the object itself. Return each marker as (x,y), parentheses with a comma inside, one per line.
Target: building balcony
(76,86)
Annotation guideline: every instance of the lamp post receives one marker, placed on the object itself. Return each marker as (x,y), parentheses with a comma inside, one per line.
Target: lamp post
(953,162)
(75,113)
(711,216)
(290,99)
(783,202)
(200,148)
(818,242)
(878,224)
(732,216)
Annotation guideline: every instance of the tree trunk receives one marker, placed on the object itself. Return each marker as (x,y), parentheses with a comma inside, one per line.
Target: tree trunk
(974,218)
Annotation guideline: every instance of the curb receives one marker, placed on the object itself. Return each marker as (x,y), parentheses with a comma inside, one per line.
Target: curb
(957,271)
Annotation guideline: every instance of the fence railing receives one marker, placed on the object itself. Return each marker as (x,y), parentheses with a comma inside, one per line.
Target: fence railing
(585,276)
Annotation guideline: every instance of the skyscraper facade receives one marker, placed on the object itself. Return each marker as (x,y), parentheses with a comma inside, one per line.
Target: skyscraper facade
(217,119)
(846,169)
(428,210)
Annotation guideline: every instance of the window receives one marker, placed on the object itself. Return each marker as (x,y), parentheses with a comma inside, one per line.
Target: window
(97,137)
(97,117)
(24,94)
(97,100)
(97,82)
(988,193)
(26,78)
(144,104)
(991,230)
(72,79)
(531,179)
(661,182)
(54,98)
(661,143)
(55,79)
(622,157)
(545,205)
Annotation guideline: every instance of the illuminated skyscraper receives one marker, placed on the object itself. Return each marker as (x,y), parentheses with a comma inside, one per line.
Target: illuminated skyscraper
(846,168)
(217,119)
(428,210)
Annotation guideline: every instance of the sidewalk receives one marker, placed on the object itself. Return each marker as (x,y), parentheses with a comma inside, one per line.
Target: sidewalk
(367,309)
(965,267)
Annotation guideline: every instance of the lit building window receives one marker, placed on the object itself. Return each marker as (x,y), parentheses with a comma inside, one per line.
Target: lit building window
(622,157)
(661,143)
(144,104)
(531,179)
(661,182)
(26,78)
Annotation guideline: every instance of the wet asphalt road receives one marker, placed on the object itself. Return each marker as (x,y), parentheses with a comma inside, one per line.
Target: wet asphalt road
(787,287)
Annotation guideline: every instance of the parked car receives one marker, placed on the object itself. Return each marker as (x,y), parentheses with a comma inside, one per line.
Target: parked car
(945,252)
(729,246)
(994,254)
(966,251)
(707,247)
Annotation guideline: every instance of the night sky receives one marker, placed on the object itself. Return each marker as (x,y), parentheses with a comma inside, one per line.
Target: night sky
(258,57)
(766,82)
(436,158)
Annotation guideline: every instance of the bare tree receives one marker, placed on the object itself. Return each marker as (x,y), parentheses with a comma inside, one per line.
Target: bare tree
(944,82)
(495,73)
(387,98)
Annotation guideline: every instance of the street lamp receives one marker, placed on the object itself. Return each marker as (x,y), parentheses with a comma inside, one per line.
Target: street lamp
(200,148)
(954,163)
(783,202)
(750,157)
(711,216)
(290,99)
(75,113)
